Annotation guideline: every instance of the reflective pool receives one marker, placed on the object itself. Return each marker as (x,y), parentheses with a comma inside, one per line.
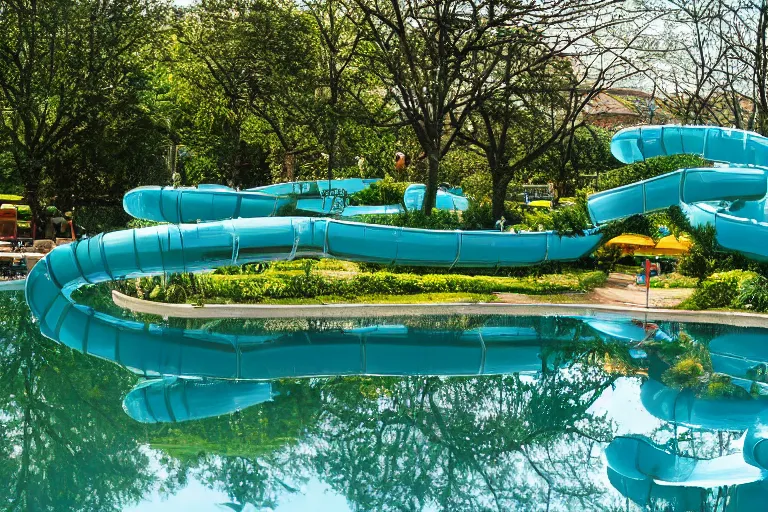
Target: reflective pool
(462,412)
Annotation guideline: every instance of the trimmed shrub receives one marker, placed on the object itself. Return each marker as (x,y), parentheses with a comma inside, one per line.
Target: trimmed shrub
(647,169)
(256,287)
(386,191)
(753,294)
(720,290)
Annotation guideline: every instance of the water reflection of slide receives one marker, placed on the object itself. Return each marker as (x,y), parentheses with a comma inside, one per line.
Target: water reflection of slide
(173,399)
(646,493)
(377,350)
(394,350)
(645,472)
(732,199)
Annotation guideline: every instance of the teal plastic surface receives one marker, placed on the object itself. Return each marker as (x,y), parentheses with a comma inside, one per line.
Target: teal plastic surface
(173,399)
(206,203)
(732,198)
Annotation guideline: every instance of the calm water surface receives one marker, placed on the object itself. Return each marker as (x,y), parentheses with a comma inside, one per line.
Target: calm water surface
(458,413)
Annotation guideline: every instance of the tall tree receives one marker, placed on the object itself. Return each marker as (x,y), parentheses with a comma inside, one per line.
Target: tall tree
(340,36)
(66,443)
(743,29)
(262,54)
(59,60)
(437,58)
(542,83)
(691,60)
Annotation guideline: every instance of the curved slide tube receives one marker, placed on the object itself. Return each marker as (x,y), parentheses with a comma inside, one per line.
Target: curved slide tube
(741,353)
(171,400)
(725,145)
(384,350)
(206,203)
(732,199)
(684,408)
(203,247)
(639,459)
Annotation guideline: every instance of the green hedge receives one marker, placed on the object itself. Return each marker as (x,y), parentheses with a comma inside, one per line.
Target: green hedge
(753,294)
(257,287)
(647,169)
(673,280)
(720,290)
(386,191)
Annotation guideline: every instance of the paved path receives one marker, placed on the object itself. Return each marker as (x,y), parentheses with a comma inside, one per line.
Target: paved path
(619,290)
(400,310)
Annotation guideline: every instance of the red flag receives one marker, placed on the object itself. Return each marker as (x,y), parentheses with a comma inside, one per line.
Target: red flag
(647,274)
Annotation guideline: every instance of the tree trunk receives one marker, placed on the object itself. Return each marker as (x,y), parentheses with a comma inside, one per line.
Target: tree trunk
(499,193)
(31,175)
(332,136)
(289,166)
(431,193)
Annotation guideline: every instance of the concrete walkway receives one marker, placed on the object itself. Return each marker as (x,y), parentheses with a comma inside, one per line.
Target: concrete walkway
(619,290)
(390,310)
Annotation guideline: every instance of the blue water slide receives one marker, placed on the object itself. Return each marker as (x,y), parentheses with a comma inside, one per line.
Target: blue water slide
(316,187)
(685,186)
(445,200)
(712,143)
(172,399)
(413,199)
(732,198)
(202,203)
(207,203)
(202,247)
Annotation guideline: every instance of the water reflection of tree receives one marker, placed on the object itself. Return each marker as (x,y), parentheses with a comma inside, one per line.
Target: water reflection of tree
(65,443)
(251,455)
(491,443)
(498,443)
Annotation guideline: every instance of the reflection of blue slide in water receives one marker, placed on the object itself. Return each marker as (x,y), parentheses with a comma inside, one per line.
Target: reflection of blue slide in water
(634,460)
(732,199)
(638,458)
(172,399)
(374,350)
(644,492)
(381,350)
(651,495)
(742,354)
(685,408)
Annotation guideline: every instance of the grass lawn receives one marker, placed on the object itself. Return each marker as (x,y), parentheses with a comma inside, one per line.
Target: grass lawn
(418,298)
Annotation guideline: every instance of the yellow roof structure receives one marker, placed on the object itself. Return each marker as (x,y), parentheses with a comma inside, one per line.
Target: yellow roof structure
(672,246)
(631,240)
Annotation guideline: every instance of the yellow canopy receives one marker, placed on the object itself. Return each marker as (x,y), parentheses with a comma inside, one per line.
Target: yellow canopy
(671,246)
(541,203)
(632,240)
